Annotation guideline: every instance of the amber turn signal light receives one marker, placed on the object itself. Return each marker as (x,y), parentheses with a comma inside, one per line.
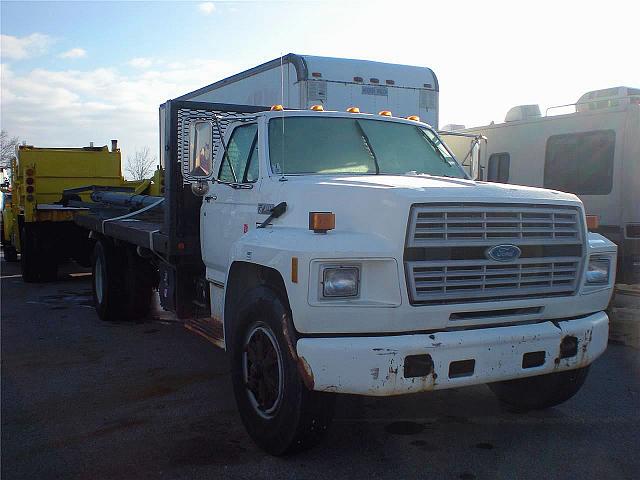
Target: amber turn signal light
(593,222)
(322,222)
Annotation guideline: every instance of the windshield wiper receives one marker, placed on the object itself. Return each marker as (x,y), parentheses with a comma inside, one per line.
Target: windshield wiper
(369,147)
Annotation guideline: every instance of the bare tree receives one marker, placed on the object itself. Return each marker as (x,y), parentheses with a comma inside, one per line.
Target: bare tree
(141,164)
(8,145)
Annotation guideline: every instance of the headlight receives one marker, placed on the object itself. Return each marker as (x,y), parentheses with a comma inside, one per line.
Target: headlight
(340,281)
(598,271)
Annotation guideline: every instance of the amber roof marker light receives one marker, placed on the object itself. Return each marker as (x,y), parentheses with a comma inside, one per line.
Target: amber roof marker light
(317,108)
(414,118)
(353,110)
(277,108)
(385,113)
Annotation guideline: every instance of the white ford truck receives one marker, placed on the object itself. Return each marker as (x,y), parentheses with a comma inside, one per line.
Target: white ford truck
(345,252)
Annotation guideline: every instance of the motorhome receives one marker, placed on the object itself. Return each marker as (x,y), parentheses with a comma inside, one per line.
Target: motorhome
(592,151)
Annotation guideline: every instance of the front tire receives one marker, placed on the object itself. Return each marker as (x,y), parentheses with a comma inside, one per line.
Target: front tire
(278,411)
(540,392)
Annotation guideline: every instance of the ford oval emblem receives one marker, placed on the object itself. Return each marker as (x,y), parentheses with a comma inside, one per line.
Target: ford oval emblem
(503,253)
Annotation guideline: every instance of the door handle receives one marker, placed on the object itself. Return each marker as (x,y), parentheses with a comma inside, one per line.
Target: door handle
(209,198)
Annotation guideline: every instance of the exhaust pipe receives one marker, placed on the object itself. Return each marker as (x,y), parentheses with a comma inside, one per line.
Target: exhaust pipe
(114,145)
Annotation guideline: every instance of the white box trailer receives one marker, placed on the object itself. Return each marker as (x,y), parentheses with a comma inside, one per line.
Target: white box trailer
(594,152)
(300,81)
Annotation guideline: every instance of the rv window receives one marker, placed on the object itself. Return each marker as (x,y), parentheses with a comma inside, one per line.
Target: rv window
(580,163)
(241,162)
(498,168)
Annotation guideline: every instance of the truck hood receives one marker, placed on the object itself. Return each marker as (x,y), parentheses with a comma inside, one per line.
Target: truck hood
(424,189)
(377,207)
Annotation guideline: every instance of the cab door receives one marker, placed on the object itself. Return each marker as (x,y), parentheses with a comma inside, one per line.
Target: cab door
(230,208)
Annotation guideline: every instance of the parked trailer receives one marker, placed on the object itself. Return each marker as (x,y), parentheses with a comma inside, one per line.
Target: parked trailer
(334,252)
(593,152)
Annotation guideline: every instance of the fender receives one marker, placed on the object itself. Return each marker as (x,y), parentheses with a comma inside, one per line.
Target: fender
(276,248)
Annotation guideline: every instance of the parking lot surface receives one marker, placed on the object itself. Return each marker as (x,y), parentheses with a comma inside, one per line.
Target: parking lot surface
(84,399)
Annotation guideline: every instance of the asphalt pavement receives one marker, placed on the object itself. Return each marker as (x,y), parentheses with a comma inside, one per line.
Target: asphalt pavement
(84,399)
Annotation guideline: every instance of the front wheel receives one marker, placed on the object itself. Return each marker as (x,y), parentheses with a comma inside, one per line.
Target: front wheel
(279,412)
(540,392)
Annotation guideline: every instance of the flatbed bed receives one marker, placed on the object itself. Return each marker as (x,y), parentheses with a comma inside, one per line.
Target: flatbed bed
(143,232)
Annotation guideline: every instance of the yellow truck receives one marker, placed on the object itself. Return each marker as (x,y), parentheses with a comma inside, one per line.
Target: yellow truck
(38,220)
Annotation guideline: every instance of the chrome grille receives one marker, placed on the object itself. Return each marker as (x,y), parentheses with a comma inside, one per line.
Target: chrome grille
(551,239)
(456,281)
(477,224)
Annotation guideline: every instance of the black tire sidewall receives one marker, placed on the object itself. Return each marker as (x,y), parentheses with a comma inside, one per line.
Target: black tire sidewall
(275,434)
(540,392)
(100,255)
(28,260)
(127,283)
(10,254)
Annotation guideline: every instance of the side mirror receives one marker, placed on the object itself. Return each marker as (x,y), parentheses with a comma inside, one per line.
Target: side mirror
(200,164)
(476,153)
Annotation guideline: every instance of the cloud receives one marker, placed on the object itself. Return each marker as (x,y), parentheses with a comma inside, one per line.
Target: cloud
(140,62)
(19,48)
(74,53)
(74,107)
(207,7)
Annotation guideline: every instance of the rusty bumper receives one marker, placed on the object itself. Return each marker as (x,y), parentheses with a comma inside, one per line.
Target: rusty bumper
(379,365)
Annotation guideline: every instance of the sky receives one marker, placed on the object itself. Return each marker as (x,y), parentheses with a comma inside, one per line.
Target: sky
(80,72)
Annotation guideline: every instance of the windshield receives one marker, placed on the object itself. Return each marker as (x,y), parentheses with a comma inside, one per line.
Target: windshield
(330,145)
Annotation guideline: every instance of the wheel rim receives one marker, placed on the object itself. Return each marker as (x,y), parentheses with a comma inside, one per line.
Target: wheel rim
(99,280)
(262,370)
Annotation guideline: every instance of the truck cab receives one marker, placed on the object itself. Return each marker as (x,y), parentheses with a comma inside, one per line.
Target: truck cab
(401,274)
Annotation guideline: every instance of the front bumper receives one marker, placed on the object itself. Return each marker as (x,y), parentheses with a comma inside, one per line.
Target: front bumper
(376,365)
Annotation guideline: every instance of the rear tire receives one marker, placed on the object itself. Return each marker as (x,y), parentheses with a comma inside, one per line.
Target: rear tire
(122,283)
(543,391)
(10,253)
(278,411)
(37,263)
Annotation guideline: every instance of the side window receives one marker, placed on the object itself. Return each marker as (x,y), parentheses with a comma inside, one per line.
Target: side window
(241,162)
(580,163)
(498,170)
